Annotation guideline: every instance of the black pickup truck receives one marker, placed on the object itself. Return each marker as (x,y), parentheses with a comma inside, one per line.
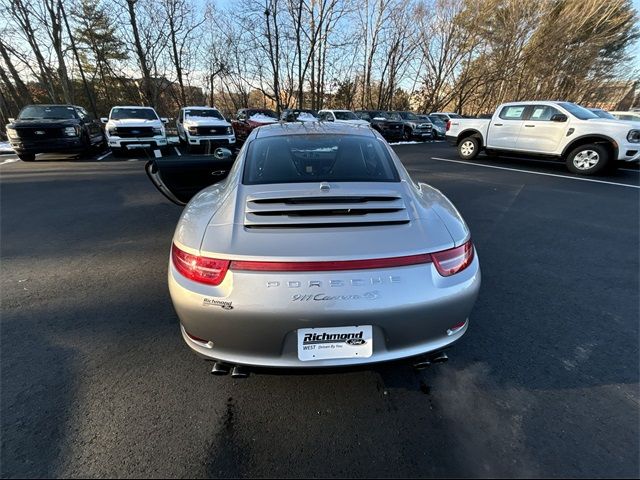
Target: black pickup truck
(380,120)
(54,128)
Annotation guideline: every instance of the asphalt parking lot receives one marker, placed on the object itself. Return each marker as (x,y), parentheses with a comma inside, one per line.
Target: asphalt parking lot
(96,381)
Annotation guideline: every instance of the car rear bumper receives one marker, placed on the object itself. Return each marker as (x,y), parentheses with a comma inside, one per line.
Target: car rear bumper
(73,144)
(252,318)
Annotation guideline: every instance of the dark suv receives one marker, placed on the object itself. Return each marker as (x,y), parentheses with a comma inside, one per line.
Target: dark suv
(53,128)
(413,126)
(382,122)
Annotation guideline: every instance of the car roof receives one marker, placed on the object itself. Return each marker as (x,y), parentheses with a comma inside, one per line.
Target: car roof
(132,106)
(313,128)
(199,108)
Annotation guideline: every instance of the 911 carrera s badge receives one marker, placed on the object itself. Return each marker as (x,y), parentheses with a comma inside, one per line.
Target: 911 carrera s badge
(323,297)
(212,302)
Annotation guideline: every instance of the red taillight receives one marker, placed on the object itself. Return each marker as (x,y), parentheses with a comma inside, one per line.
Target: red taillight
(199,269)
(330,265)
(448,125)
(450,262)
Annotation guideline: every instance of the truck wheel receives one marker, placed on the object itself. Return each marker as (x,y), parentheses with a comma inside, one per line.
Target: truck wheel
(407,134)
(469,148)
(588,159)
(27,157)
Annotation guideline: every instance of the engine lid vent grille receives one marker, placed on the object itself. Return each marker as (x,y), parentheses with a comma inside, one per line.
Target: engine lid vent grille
(325,211)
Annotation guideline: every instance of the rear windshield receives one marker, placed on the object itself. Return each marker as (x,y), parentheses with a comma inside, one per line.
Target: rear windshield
(34,112)
(318,158)
(137,113)
(203,113)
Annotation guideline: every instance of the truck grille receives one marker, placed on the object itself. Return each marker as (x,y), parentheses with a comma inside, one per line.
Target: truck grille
(325,212)
(132,132)
(39,132)
(205,131)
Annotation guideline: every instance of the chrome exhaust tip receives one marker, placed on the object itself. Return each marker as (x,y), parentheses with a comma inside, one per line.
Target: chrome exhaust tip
(238,371)
(439,358)
(422,364)
(220,369)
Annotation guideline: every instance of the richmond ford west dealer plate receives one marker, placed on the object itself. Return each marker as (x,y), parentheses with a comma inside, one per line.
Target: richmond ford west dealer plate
(335,342)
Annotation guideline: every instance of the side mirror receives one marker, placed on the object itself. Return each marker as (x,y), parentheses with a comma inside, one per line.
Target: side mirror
(12,120)
(164,120)
(222,153)
(559,117)
(104,119)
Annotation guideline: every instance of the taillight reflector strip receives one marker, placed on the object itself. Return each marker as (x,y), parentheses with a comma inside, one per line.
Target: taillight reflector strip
(243,265)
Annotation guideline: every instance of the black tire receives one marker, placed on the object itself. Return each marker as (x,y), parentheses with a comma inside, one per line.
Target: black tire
(181,140)
(588,159)
(407,134)
(27,157)
(469,148)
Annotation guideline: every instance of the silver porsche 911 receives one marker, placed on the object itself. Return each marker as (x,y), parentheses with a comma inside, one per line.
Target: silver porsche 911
(314,248)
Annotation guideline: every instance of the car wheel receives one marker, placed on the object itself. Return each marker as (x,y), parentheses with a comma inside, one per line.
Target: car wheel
(588,159)
(407,134)
(27,157)
(469,148)
(181,140)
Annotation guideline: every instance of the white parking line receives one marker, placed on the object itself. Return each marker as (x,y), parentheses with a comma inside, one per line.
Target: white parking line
(9,160)
(177,151)
(538,160)
(104,156)
(536,173)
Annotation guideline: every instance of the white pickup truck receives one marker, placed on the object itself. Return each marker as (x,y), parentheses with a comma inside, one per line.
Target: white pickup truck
(561,130)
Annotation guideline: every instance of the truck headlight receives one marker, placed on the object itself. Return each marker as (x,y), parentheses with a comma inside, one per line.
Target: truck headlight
(112,131)
(229,131)
(11,133)
(157,130)
(71,132)
(193,130)
(633,136)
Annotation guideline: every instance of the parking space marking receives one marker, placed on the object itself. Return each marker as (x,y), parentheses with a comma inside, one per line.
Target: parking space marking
(104,156)
(538,160)
(177,151)
(9,160)
(536,173)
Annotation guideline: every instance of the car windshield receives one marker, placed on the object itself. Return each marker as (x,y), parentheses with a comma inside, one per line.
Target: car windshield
(602,113)
(343,115)
(210,113)
(34,112)
(577,111)
(137,113)
(264,112)
(318,158)
(408,116)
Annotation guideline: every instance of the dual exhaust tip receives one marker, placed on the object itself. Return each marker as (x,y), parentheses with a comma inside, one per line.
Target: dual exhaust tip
(425,362)
(239,371)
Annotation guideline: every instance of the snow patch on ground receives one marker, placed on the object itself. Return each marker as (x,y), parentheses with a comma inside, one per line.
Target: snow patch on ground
(5,147)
